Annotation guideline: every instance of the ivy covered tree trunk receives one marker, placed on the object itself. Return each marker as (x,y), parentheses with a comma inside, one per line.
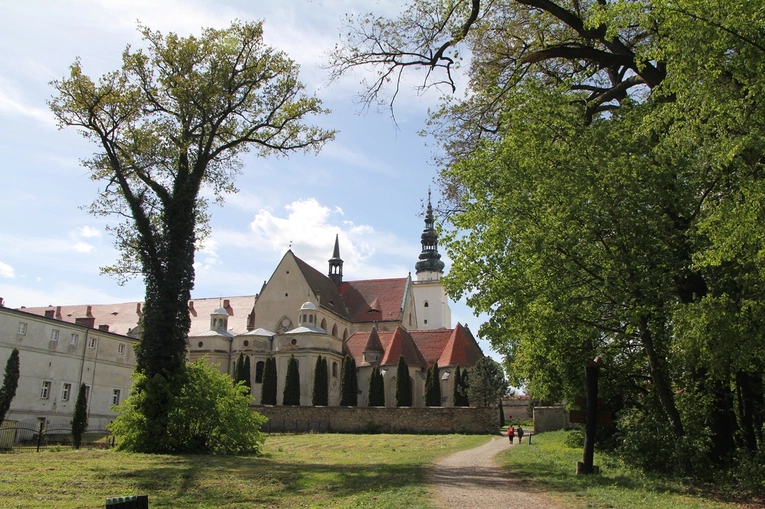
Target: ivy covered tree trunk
(174,119)
(79,421)
(268,387)
(291,394)
(403,384)
(10,383)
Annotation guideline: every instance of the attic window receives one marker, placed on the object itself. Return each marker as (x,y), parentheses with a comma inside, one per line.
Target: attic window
(332,303)
(445,376)
(114,313)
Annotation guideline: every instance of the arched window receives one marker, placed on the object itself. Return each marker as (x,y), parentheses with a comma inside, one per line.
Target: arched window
(334,370)
(345,334)
(259,372)
(426,304)
(334,330)
(324,324)
(310,318)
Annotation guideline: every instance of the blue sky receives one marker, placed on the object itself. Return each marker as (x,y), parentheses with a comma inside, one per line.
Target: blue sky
(368,186)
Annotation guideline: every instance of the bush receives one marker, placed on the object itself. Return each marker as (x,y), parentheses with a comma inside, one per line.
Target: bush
(208,414)
(79,420)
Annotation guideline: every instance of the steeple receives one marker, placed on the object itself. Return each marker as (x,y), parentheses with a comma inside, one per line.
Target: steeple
(336,264)
(429,260)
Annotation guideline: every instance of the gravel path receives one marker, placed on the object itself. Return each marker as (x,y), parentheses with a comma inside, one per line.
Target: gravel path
(471,479)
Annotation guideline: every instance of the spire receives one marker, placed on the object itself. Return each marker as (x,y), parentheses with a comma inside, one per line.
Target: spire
(336,264)
(429,260)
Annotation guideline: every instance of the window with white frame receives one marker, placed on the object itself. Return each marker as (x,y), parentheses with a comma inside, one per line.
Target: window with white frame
(116,396)
(121,349)
(21,330)
(45,389)
(54,334)
(75,339)
(92,342)
(66,392)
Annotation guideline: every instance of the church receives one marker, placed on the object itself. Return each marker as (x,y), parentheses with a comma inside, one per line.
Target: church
(301,311)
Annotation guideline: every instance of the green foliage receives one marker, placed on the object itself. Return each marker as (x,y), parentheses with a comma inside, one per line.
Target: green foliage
(79,420)
(207,414)
(174,120)
(10,382)
(487,382)
(403,384)
(464,392)
(433,386)
(291,395)
(348,382)
(376,392)
(320,395)
(501,414)
(247,372)
(268,387)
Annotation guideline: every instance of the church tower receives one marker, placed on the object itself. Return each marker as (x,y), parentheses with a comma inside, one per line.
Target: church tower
(432,303)
(336,264)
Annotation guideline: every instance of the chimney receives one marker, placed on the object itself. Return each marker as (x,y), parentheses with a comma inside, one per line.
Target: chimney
(89,312)
(191,308)
(251,320)
(85,322)
(227,307)
(2,304)
(58,313)
(104,328)
(138,310)
(49,313)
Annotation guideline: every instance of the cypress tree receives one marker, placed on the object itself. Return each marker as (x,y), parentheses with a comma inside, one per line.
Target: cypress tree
(246,374)
(238,369)
(428,386)
(79,420)
(456,393)
(376,394)
(465,384)
(268,387)
(435,388)
(291,394)
(403,384)
(10,383)
(354,384)
(320,383)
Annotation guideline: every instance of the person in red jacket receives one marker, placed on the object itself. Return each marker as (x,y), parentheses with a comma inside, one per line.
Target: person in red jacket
(510,433)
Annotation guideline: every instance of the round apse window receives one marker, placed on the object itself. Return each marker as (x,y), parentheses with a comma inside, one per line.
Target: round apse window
(294,341)
(200,345)
(246,343)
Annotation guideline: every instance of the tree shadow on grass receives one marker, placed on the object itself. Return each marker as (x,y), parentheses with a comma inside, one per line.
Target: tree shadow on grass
(193,481)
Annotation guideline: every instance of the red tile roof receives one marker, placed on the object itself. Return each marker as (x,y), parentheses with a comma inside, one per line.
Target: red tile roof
(378,300)
(394,343)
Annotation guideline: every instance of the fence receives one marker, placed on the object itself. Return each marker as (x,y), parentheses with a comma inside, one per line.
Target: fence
(30,437)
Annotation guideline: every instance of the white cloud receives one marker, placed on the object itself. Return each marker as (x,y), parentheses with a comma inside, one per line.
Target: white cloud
(11,104)
(89,232)
(6,271)
(82,247)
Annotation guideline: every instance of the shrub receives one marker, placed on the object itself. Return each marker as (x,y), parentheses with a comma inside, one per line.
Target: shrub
(208,414)
(79,420)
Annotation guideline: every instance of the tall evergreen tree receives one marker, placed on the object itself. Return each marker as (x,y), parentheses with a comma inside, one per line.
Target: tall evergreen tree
(79,420)
(291,394)
(268,387)
(465,385)
(457,396)
(238,368)
(348,382)
(246,373)
(354,384)
(376,393)
(435,386)
(320,383)
(10,383)
(403,384)
(428,378)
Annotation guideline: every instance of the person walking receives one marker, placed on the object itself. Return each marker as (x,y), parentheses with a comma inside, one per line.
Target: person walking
(510,433)
(520,434)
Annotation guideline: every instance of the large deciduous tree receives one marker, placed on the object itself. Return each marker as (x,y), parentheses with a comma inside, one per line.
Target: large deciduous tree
(604,182)
(487,383)
(175,119)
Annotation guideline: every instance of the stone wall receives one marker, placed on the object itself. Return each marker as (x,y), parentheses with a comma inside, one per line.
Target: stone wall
(550,418)
(429,420)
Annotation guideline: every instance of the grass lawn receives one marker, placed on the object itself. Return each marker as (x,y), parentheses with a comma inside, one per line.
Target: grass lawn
(331,470)
(549,466)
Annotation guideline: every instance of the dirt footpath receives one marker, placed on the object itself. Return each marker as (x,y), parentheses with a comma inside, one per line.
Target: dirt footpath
(471,479)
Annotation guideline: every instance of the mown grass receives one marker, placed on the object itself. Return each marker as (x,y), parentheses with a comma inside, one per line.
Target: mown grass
(549,466)
(310,470)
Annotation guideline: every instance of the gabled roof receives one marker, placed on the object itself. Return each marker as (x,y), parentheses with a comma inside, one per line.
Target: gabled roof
(373,342)
(449,347)
(321,285)
(374,300)
(394,345)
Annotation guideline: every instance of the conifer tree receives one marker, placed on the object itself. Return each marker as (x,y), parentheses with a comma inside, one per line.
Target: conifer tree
(376,393)
(403,384)
(79,420)
(435,389)
(10,383)
(246,373)
(238,368)
(291,394)
(456,386)
(354,384)
(320,383)
(268,387)
(348,387)
(465,385)
(428,386)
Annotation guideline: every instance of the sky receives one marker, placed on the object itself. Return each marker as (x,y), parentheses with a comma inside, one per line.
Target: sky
(369,185)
